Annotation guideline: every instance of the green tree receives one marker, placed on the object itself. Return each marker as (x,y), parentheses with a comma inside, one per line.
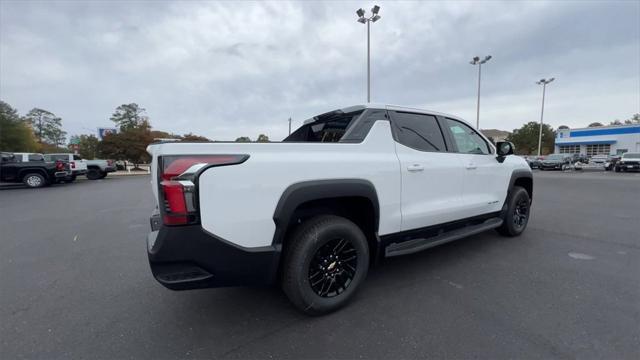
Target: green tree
(88,146)
(243,139)
(262,138)
(129,116)
(595,124)
(127,145)
(194,138)
(525,139)
(15,133)
(47,127)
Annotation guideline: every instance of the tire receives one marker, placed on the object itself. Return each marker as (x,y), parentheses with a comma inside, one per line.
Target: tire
(94,174)
(34,180)
(518,212)
(327,260)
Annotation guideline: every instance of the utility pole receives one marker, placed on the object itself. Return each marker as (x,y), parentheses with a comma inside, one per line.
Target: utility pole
(368,20)
(544,83)
(476,61)
(289,126)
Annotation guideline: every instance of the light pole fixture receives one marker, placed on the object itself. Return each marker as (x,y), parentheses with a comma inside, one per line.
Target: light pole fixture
(368,20)
(544,83)
(476,61)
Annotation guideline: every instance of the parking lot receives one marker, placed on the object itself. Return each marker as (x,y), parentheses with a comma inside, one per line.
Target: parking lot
(75,283)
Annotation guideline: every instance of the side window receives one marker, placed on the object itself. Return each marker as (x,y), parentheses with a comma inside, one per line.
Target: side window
(418,131)
(467,139)
(77,157)
(36,157)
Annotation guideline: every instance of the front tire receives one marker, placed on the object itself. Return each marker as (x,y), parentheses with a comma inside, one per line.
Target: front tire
(518,211)
(325,263)
(34,180)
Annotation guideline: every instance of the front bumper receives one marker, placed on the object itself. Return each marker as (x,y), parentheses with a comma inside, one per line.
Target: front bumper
(627,166)
(188,257)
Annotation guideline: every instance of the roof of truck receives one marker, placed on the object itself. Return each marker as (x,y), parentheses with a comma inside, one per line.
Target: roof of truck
(398,108)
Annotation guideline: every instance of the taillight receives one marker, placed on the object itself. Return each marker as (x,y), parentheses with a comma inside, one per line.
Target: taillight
(73,164)
(177,189)
(109,162)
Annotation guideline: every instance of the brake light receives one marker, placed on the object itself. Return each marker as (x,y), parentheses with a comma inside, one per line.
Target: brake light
(176,182)
(73,164)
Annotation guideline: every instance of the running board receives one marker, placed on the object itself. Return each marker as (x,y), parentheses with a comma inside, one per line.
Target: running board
(415,245)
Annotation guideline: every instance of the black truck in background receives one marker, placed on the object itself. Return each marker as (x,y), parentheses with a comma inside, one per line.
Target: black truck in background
(33,174)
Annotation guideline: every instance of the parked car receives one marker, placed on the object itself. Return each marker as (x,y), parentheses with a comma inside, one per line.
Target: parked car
(581,158)
(611,162)
(347,189)
(556,162)
(534,161)
(76,163)
(628,162)
(26,157)
(98,169)
(33,174)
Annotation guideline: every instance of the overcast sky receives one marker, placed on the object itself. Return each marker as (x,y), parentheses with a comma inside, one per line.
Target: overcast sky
(229,69)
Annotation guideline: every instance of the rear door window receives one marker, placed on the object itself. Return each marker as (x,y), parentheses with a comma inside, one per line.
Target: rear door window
(418,131)
(36,157)
(50,157)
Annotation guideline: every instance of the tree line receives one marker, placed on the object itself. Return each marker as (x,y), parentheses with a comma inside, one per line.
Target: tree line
(41,131)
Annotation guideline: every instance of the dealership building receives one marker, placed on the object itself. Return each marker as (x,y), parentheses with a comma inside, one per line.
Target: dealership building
(601,140)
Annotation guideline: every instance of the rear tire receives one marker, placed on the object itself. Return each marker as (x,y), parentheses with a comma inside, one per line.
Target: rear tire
(325,263)
(34,180)
(518,212)
(94,174)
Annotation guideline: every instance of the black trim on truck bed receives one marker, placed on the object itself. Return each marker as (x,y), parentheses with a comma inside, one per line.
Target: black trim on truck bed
(188,257)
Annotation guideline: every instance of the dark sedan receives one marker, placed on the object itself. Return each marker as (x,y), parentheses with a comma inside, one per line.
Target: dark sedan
(556,162)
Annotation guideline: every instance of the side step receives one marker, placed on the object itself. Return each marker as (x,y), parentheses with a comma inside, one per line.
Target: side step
(419,244)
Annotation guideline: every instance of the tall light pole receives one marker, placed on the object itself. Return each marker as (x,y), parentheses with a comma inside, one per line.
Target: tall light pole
(289,126)
(476,61)
(544,83)
(368,20)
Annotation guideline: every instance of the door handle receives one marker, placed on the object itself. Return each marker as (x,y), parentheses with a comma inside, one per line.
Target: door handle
(415,167)
(471,166)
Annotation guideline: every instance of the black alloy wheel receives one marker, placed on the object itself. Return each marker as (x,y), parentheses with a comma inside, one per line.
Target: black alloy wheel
(333,267)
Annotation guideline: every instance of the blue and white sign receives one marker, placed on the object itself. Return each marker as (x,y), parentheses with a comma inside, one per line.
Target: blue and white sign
(102,132)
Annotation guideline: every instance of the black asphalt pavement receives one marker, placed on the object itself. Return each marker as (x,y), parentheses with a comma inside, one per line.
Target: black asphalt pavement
(75,283)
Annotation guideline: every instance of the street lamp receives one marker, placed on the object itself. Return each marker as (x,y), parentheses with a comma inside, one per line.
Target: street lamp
(476,61)
(368,20)
(544,83)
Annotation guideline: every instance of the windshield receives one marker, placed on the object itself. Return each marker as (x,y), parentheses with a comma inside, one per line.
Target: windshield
(631,155)
(555,157)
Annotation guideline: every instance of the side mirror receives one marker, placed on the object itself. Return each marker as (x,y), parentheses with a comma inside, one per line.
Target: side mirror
(504,148)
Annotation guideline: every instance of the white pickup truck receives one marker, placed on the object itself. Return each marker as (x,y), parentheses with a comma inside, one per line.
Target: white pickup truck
(76,163)
(315,211)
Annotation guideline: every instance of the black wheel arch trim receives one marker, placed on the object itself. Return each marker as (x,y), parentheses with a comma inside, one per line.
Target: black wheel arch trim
(302,192)
(519,174)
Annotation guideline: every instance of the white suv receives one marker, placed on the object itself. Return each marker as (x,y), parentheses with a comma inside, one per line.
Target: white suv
(344,191)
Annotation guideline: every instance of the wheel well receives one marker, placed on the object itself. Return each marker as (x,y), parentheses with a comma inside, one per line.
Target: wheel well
(93,167)
(526,183)
(26,172)
(358,209)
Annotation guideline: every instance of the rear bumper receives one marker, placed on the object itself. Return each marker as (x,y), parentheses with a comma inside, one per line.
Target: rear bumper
(188,257)
(109,169)
(79,172)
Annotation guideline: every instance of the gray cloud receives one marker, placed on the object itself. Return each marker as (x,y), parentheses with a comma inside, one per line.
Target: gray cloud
(226,69)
